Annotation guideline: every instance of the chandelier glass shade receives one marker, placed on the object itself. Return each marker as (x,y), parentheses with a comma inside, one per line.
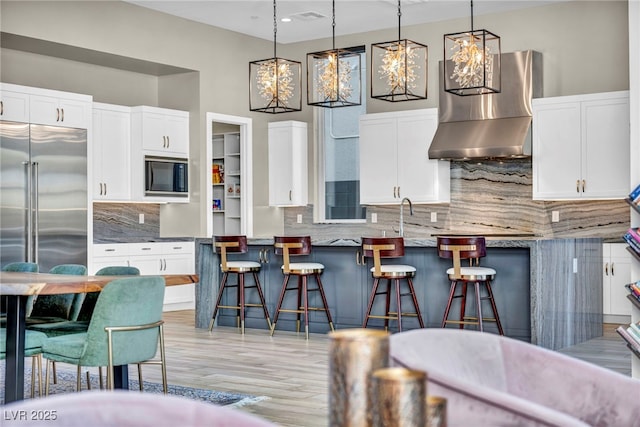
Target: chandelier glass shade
(472,62)
(275,83)
(333,76)
(399,69)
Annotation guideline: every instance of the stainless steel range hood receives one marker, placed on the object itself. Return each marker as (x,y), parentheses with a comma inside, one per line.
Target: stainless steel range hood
(495,126)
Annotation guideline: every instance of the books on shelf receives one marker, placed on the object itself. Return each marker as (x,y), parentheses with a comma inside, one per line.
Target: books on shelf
(634,289)
(630,339)
(634,196)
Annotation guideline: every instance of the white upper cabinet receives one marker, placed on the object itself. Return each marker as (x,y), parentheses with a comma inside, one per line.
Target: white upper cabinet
(44,107)
(581,147)
(288,164)
(111,152)
(14,106)
(58,111)
(394,162)
(161,132)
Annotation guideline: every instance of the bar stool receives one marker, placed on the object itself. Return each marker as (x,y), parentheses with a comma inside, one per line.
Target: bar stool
(293,246)
(389,247)
(471,248)
(237,244)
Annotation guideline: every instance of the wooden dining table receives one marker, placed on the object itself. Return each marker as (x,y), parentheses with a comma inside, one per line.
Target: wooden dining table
(17,287)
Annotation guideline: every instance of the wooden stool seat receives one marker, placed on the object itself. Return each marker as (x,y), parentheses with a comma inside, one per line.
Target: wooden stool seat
(470,248)
(390,247)
(294,246)
(238,245)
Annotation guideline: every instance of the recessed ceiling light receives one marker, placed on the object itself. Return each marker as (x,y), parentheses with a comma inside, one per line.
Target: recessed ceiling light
(285,20)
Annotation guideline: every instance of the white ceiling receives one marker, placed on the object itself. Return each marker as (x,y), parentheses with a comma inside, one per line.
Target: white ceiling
(312,19)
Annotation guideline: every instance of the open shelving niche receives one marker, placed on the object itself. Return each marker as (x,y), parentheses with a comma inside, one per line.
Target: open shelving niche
(635,307)
(228,172)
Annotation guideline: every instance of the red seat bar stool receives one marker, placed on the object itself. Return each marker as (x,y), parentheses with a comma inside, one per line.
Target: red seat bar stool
(390,247)
(472,249)
(238,245)
(294,246)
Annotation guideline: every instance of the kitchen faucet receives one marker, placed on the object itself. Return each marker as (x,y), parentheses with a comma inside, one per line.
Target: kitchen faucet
(402,214)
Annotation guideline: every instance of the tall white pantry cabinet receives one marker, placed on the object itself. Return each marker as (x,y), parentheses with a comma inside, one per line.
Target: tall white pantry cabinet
(394,162)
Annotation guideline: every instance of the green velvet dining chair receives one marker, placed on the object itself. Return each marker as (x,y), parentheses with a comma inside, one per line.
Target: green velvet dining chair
(55,308)
(81,321)
(32,348)
(23,267)
(128,311)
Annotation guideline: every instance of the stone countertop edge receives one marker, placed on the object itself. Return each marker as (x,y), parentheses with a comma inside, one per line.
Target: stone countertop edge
(427,242)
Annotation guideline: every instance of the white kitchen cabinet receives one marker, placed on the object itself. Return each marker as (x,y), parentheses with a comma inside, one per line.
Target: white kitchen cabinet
(154,258)
(45,107)
(14,106)
(288,164)
(161,131)
(55,111)
(616,273)
(111,152)
(394,162)
(581,147)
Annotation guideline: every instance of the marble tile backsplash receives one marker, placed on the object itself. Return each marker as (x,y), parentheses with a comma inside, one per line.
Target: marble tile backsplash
(487,198)
(121,222)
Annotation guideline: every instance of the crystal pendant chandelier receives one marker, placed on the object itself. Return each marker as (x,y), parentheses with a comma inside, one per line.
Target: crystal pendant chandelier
(274,83)
(472,62)
(333,76)
(399,69)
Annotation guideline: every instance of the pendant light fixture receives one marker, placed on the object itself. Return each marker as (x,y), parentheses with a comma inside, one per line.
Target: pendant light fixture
(333,76)
(274,83)
(399,69)
(472,62)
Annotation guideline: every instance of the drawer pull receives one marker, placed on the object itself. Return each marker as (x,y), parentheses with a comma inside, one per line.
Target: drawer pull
(146,249)
(109,250)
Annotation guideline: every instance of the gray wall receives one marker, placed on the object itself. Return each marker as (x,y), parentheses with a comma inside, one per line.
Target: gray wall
(584,46)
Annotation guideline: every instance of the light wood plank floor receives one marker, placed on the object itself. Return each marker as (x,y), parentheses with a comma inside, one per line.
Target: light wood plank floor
(290,371)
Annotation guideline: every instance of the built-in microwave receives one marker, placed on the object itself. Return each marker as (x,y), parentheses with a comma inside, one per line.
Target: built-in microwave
(166,176)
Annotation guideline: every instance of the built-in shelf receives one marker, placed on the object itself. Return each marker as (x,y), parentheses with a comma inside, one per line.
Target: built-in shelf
(226,193)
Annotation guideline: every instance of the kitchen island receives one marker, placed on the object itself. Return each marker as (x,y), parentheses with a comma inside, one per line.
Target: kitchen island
(548,291)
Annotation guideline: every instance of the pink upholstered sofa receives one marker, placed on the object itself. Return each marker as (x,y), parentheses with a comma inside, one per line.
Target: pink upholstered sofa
(124,409)
(491,381)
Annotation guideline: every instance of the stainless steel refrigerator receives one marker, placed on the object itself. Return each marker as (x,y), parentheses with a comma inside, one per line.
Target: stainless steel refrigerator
(43,194)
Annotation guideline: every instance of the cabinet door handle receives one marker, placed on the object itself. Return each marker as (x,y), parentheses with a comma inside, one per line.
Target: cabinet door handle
(612,273)
(62,114)
(577,186)
(266,256)
(606,268)
(358,258)
(394,192)
(168,141)
(57,114)
(105,188)
(584,185)
(1,108)
(290,195)
(398,192)
(100,189)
